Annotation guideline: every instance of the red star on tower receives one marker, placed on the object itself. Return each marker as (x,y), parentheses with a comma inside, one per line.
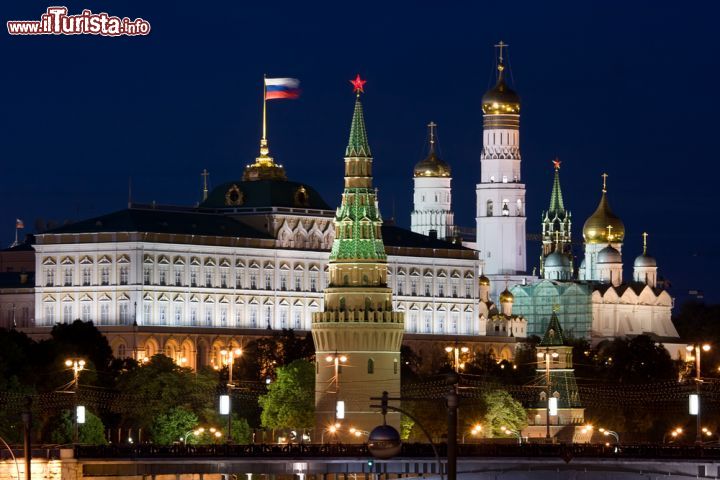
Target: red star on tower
(556,163)
(358,84)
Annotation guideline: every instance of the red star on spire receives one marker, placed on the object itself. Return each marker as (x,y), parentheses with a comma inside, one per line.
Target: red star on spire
(556,163)
(358,84)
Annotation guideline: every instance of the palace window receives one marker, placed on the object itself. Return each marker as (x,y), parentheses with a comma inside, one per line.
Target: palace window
(123,275)
(296,320)
(253,317)
(147,309)
(223,317)
(105,276)
(441,323)
(441,290)
(162,315)
(223,279)
(238,317)
(104,313)
(467,328)
(178,314)
(163,276)
(193,316)
(238,279)
(208,315)
(49,277)
(268,281)
(454,287)
(297,282)
(253,280)
(505,208)
(401,286)
(283,318)
(313,282)
(67,278)
(49,314)
(371,366)
(268,317)
(85,312)
(67,313)
(178,277)
(454,323)
(412,327)
(489,208)
(427,288)
(193,276)
(208,278)
(124,313)
(428,321)
(413,287)
(147,272)
(283,281)
(86,276)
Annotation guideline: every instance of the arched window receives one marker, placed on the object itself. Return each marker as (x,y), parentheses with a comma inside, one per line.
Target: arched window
(489,208)
(371,366)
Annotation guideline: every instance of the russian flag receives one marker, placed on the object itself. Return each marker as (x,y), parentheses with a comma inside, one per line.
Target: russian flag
(281,88)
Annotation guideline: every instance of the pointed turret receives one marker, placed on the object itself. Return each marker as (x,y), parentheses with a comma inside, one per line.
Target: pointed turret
(556,222)
(553,333)
(357,320)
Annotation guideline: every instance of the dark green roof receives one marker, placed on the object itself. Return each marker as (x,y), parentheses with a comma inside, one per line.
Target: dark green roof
(394,236)
(553,334)
(266,193)
(163,221)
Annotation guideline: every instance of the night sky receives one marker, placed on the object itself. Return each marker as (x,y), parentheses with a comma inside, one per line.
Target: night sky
(630,88)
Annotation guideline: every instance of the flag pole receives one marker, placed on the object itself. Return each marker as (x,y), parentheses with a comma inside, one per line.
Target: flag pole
(264,135)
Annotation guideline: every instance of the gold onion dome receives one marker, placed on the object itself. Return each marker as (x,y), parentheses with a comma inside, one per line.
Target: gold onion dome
(506,296)
(484,281)
(501,99)
(596,226)
(432,165)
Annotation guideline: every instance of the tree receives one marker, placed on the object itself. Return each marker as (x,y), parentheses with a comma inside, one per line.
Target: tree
(160,385)
(173,425)
(290,401)
(636,360)
(502,410)
(92,432)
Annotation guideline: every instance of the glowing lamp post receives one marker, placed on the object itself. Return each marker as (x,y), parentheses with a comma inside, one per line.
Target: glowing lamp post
(456,351)
(695,398)
(77,365)
(551,404)
(336,361)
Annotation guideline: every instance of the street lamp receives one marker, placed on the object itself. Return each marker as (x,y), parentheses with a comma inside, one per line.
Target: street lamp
(697,347)
(457,351)
(332,429)
(474,431)
(674,434)
(228,358)
(336,360)
(547,355)
(509,431)
(77,365)
(607,432)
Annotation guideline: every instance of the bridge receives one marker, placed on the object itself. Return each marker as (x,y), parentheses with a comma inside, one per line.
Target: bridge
(353,462)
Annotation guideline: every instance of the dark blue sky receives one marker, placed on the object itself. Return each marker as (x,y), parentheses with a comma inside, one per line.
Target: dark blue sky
(624,87)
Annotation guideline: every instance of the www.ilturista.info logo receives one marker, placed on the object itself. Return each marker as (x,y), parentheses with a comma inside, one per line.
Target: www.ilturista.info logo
(56,21)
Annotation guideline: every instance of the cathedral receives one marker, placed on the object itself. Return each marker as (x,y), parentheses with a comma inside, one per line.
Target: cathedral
(262,253)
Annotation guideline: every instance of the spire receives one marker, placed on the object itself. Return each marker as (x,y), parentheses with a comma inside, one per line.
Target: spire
(645,235)
(358,142)
(553,334)
(556,199)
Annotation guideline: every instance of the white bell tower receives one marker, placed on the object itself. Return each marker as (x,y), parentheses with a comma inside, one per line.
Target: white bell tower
(500,213)
(432,196)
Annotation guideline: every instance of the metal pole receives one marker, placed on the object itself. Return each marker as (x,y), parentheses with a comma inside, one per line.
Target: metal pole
(698,435)
(452,406)
(547,396)
(76,373)
(27,437)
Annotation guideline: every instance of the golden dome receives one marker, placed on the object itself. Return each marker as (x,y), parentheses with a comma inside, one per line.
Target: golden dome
(596,228)
(432,166)
(484,281)
(506,296)
(501,99)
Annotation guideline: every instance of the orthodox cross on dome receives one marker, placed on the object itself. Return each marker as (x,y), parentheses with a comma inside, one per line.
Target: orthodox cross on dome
(556,163)
(645,235)
(604,177)
(358,85)
(500,45)
(205,175)
(609,235)
(431,130)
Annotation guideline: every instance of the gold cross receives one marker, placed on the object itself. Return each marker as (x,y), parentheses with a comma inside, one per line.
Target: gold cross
(604,175)
(645,235)
(500,47)
(609,235)
(432,126)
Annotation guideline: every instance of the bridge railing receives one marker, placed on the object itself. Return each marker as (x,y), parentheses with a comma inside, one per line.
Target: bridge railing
(411,450)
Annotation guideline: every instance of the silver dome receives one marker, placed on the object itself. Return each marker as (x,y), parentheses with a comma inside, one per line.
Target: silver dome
(645,260)
(609,255)
(557,260)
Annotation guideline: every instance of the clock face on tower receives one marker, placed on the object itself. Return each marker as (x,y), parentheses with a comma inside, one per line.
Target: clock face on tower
(234,197)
